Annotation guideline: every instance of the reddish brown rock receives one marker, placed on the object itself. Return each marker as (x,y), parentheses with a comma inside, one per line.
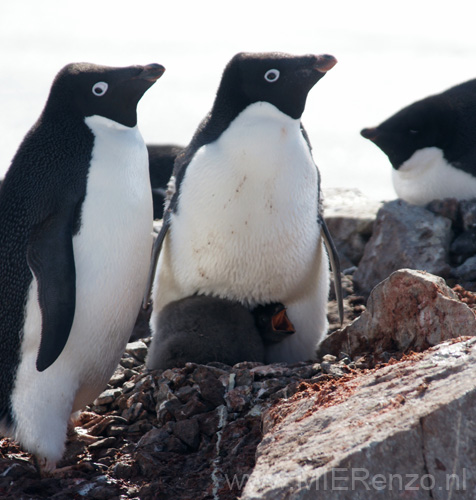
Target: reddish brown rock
(403,431)
(409,311)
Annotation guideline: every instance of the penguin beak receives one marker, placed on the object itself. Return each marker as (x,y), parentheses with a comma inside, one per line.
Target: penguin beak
(370,133)
(151,72)
(325,62)
(281,323)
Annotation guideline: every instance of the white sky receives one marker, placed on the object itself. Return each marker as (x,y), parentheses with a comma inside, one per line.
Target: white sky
(389,53)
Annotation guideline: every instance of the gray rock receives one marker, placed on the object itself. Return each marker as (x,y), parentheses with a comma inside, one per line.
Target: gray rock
(107,396)
(350,217)
(103,443)
(137,349)
(446,207)
(188,432)
(468,214)
(467,270)
(464,245)
(119,376)
(403,431)
(405,236)
(410,310)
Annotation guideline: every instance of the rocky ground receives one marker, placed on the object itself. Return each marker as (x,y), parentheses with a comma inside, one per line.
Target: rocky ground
(182,433)
(194,432)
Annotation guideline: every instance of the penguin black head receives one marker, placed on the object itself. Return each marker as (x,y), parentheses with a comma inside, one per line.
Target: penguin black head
(445,121)
(87,89)
(423,124)
(273,323)
(281,79)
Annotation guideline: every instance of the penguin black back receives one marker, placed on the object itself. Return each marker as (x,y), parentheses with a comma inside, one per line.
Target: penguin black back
(24,215)
(446,121)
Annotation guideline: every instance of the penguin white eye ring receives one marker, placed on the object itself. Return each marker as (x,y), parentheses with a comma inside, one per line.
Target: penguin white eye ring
(100,88)
(271,75)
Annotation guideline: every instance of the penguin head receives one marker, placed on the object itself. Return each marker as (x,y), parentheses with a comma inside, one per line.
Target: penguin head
(280,79)
(273,323)
(423,124)
(87,89)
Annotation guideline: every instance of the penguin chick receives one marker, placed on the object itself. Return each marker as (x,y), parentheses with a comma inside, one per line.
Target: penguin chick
(202,329)
(273,323)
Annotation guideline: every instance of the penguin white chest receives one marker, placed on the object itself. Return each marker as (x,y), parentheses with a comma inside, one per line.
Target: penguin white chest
(427,176)
(111,250)
(246,225)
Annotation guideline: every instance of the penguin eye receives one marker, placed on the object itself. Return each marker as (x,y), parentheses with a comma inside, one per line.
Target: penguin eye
(271,75)
(99,88)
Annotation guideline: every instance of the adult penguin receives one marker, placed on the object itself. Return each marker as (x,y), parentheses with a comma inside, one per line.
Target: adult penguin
(431,147)
(75,239)
(244,220)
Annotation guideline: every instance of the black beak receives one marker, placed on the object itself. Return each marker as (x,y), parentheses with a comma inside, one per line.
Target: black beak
(370,133)
(325,62)
(151,72)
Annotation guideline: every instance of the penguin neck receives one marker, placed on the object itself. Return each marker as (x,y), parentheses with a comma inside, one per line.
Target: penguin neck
(220,119)
(259,115)
(257,142)
(95,121)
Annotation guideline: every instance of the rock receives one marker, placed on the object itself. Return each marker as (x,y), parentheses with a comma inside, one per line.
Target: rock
(137,349)
(239,398)
(350,217)
(274,370)
(154,440)
(464,245)
(188,432)
(128,361)
(119,376)
(211,389)
(405,236)
(103,443)
(403,431)
(410,310)
(468,214)
(107,396)
(447,207)
(467,270)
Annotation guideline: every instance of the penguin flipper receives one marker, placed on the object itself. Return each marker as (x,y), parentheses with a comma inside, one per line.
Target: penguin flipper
(335,266)
(51,259)
(154,260)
